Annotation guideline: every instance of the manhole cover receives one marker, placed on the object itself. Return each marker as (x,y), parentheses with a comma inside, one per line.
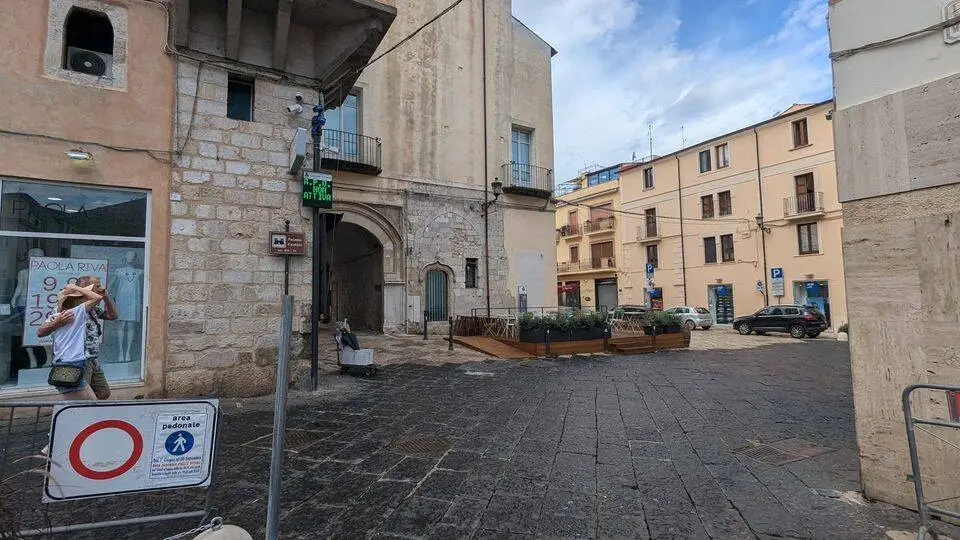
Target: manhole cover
(294,440)
(425,447)
(782,452)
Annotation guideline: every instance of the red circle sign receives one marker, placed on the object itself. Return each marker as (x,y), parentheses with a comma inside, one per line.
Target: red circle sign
(87,472)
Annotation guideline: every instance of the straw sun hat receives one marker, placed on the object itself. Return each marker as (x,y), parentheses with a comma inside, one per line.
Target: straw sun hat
(63,295)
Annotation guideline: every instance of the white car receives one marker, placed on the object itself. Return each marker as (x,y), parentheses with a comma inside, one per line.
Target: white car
(693,317)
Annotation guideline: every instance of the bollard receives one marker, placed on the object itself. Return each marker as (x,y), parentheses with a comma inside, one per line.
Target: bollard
(424,325)
(451,334)
(547,344)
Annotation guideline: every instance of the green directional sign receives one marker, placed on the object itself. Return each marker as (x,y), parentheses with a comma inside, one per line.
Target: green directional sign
(317,190)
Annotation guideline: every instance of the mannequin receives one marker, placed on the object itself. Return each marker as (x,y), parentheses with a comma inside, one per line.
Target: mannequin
(19,303)
(126,288)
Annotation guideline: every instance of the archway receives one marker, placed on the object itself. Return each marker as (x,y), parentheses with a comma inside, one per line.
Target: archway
(356,277)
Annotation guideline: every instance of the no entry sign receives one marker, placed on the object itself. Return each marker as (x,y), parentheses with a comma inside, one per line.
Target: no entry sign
(112,448)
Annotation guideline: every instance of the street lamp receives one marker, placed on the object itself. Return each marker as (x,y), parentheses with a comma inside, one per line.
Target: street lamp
(760,224)
(497,187)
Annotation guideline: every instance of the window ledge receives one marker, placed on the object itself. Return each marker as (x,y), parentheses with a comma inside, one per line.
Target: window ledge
(799,255)
(801,147)
(85,79)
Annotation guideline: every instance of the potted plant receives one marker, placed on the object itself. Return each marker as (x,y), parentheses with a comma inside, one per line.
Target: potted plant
(530,328)
(660,322)
(843,332)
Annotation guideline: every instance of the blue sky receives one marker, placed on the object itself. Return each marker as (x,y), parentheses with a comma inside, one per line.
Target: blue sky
(711,66)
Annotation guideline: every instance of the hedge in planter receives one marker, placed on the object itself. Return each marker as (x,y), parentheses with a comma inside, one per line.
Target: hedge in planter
(660,322)
(581,326)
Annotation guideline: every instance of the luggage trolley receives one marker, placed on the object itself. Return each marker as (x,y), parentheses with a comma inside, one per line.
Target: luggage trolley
(350,355)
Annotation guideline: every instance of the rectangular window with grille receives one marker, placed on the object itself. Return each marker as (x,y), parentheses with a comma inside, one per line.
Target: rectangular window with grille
(239,99)
(706,203)
(725,201)
(808,240)
(470,273)
(653,255)
(710,250)
(726,246)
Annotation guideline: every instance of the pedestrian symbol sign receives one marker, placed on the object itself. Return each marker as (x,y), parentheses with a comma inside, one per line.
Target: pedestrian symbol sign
(179,443)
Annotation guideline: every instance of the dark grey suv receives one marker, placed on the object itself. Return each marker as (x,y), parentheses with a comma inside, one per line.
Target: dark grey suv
(798,321)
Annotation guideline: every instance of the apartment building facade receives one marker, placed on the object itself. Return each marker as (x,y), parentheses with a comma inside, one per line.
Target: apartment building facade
(589,242)
(744,220)
(86,129)
(897,154)
(420,225)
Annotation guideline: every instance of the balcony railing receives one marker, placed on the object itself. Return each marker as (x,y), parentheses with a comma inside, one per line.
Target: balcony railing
(523,179)
(570,230)
(649,229)
(807,203)
(601,263)
(351,152)
(600,224)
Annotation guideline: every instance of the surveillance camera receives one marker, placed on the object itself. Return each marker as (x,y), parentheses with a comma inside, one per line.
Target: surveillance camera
(295,109)
(299,97)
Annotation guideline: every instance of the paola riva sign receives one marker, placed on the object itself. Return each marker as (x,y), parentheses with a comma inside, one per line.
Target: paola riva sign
(46,277)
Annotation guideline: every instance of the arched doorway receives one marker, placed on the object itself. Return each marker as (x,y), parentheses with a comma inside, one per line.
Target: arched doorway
(356,277)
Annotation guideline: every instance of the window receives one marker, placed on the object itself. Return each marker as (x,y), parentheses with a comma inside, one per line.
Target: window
(706,203)
(726,203)
(726,246)
(800,135)
(807,238)
(470,273)
(709,250)
(806,197)
(650,216)
(88,35)
(601,255)
(343,126)
(601,211)
(705,161)
(574,254)
(791,311)
(60,223)
(605,175)
(653,256)
(436,295)
(723,156)
(239,99)
(520,145)
(648,178)
(572,224)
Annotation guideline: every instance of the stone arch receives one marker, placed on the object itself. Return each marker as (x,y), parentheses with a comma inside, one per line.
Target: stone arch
(380,227)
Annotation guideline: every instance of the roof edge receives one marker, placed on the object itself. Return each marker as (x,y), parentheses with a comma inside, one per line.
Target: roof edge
(553,52)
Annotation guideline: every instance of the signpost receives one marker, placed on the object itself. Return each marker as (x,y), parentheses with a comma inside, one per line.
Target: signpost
(100,449)
(650,269)
(317,190)
(776,282)
(47,275)
(287,243)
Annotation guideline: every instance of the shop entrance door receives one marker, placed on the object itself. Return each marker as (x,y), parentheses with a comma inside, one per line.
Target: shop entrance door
(720,298)
(606,294)
(814,293)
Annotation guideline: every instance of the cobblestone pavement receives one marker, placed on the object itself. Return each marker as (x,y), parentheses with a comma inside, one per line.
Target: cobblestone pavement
(724,337)
(602,447)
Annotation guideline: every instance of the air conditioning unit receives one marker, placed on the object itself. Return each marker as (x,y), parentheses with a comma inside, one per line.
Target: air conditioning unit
(90,62)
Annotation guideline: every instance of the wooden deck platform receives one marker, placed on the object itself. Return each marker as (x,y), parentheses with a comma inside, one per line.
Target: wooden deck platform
(491,347)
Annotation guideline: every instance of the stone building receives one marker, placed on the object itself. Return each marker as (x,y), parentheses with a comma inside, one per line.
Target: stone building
(897,155)
(415,144)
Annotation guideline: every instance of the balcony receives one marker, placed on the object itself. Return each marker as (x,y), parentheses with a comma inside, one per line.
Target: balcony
(523,179)
(597,225)
(601,263)
(649,231)
(804,206)
(570,231)
(351,152)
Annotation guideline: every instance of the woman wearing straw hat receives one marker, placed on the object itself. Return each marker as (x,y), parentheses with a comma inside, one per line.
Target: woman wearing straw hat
(69,329)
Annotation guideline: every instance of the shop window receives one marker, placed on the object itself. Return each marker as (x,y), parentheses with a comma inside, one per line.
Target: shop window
(88,42)
(239,99)
(51,235)
(470,273)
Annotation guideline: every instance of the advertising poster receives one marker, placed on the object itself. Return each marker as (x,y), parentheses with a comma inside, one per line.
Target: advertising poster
(47,275)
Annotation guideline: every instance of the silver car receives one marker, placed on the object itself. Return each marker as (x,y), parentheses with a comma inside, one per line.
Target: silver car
(693,317)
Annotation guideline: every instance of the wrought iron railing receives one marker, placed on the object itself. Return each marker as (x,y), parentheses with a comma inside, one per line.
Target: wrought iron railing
(601,263)
(649,228)
(572,229)
(351,151)
(600,224)
(527,179)
(803,204)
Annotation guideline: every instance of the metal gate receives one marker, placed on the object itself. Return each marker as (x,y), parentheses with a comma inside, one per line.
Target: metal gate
(24,431)
(950,421)
(436,296)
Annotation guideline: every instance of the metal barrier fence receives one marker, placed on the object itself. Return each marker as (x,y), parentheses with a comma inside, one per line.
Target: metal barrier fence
(926,508)
(24,433)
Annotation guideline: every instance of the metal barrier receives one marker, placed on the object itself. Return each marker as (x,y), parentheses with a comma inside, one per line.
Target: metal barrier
(925,508)
(24,433)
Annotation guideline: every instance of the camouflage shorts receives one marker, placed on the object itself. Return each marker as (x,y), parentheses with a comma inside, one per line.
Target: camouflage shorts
(94,376)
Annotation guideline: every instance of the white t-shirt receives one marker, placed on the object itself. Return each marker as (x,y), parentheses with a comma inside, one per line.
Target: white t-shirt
(68,341)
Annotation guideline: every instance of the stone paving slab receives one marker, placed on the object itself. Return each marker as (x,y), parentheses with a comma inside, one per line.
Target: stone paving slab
(602,447)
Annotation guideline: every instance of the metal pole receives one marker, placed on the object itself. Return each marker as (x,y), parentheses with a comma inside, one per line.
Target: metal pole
(425,325)
(279,421)
(914,457)
(450,332)
(286,265)
(318,256)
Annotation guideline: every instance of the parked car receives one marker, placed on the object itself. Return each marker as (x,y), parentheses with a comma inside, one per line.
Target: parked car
(630,312)
(798,321)
(693,317)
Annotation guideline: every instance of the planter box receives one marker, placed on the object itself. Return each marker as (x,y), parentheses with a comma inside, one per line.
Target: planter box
(649,330)
(540,336)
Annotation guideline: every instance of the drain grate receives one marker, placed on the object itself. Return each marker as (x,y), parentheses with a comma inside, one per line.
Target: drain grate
(422,447)
(782,452)
(294,440)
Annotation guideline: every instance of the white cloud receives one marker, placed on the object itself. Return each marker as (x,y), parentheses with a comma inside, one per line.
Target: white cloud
(621,67)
